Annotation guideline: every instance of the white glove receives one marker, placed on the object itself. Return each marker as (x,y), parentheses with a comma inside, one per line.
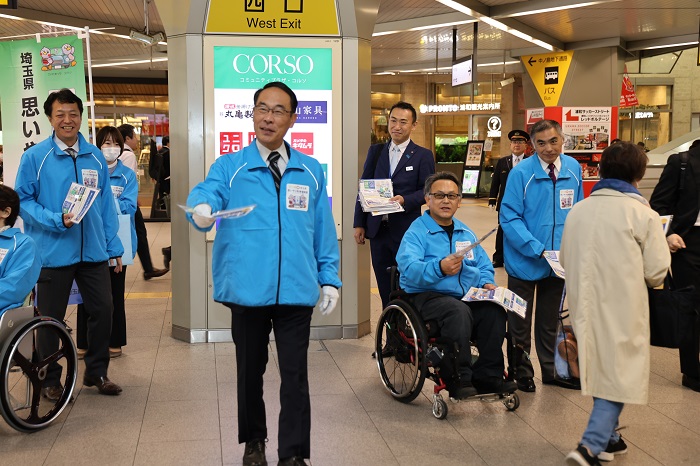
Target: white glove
(330,299)
(202,216)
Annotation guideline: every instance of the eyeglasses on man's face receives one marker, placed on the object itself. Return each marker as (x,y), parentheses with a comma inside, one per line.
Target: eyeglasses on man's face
(518,141)
(440,196)
(277,112)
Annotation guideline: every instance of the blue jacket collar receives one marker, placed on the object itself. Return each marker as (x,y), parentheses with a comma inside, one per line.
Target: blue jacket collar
(9,233)
(433,226)
(254,160)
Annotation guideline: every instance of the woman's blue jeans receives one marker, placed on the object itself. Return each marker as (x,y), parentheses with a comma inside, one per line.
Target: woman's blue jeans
(602,425)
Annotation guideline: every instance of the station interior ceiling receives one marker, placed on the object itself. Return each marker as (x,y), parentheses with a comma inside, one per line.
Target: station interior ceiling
(410,36)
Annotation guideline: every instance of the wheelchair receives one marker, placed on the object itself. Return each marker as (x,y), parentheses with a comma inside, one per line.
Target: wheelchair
(409,350)
(23,372)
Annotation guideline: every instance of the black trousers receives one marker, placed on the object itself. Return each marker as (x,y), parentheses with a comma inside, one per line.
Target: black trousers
(250,328)
(384,247)
(685,265)
(95,288)
(498,253)
(117,338)
(142,248)
(483,323)
(549,291)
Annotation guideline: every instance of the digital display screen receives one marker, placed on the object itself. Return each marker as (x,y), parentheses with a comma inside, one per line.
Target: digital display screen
(462,71)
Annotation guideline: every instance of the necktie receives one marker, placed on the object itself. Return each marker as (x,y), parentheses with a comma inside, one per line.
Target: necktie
(70,151)
(516,160)
(551,172)
(274,169)
(394,159)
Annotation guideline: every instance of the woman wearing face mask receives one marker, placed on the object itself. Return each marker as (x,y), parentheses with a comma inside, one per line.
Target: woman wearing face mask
(125,190)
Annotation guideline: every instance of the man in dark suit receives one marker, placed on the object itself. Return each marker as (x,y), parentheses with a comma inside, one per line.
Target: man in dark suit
(408,165)
(677,194)
(518,145)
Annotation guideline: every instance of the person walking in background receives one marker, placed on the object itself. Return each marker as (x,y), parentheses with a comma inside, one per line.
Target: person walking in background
(540,193)
(677,194)
(125,191)
(613,248)
(268,267)
(131,144)
(408,165)
(71,251)
(164,188)
(518,145)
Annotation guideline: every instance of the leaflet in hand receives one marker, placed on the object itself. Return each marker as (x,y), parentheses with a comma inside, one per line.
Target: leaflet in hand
(375,195)
(666,222)
(463,251)
(501,296)
(230,213)
(79,200)
(553,261)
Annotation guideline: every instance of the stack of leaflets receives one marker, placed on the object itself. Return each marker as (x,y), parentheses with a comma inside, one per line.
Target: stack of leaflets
(553,261)
(375,195)
(79,200)
(229,213)
(501,296)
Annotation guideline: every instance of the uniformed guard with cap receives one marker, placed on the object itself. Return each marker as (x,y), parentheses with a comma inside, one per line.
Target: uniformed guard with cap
(518,145)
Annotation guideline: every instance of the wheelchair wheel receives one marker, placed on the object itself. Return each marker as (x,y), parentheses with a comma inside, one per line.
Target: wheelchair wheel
(23,375)
(512,402)
(439,407)
(401,344)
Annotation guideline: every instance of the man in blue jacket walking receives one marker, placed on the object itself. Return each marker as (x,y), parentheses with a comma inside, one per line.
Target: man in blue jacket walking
(71,250)
(268,267)
(540,193)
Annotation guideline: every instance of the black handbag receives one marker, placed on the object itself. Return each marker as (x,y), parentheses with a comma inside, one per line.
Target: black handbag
(673,317)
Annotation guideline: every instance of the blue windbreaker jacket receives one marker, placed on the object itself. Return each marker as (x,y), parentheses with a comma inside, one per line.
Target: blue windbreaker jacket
(43,180)
(275,254)
(125,189)
(422,248)
(20,266)
(533,212)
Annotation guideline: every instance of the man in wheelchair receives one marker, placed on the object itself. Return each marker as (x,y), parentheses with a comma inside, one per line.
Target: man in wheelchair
(436,272)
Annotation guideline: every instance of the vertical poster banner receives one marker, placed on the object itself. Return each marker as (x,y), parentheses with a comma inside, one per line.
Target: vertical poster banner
(32,70)
(628,97)
(240,71)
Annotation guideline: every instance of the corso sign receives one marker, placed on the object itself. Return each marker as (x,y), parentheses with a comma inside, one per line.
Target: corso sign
(273,64)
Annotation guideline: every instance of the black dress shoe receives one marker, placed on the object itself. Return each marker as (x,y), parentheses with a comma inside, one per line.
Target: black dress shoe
(691,383)
(103,384)
(292,461)
(497,264)
(573,385)
(526,384)
(254,453)
(155,273)
(494,385)
(52,393)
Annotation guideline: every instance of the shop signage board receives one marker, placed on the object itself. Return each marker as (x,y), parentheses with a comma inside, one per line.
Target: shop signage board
(587,128)
(31,71)
(548,72)
(283,17)
(240,71)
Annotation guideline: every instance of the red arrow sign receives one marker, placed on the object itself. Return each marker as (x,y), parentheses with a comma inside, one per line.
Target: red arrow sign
(569,117)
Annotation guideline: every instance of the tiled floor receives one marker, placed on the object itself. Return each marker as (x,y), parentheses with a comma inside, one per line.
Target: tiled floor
(179,405)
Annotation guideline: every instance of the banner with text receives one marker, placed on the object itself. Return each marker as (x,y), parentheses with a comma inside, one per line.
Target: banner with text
(286,17)
(240,71)
(32,70)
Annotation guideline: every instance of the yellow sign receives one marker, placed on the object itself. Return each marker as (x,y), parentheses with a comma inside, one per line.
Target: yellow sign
(12,4)
(284,17)
(548,73)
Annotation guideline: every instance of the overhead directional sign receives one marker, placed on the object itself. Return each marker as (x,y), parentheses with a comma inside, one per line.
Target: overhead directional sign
(283,17)
(548,73)
(11,4)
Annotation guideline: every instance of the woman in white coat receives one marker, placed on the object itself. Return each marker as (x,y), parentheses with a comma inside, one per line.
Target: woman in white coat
(613,247)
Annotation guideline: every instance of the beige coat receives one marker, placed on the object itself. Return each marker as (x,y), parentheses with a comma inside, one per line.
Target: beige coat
(613,246)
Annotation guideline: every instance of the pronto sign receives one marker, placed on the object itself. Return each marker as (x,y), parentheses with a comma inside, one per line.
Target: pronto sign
(548,73)
(284,17)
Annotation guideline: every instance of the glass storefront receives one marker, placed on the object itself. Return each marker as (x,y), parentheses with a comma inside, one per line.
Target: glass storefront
(650,121)
(148,113)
